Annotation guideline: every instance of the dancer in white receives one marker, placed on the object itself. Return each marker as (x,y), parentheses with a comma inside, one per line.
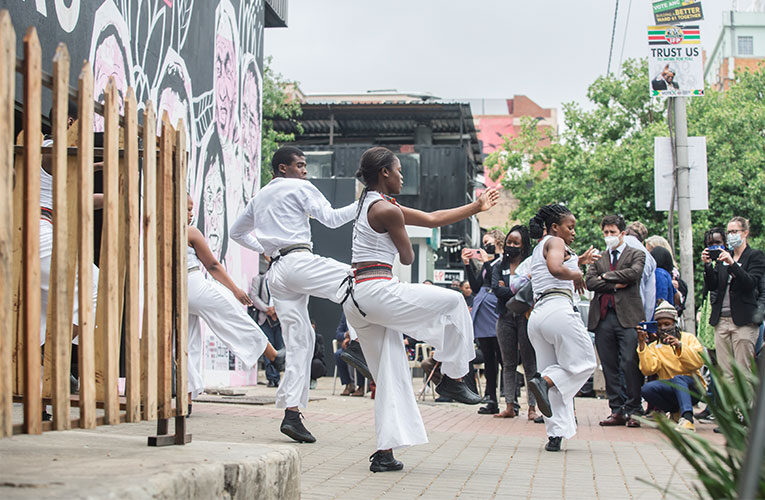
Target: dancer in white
(380,307)
(565,356)
(276,221)
(219,303)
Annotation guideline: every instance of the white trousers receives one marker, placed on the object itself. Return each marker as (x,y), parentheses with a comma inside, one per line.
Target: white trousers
(46,255)
(292,280)
(227,318)
(428,313)
(565,355)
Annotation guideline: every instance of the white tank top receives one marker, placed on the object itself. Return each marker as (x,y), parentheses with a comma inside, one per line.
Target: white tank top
(191,258)
(541,278)
(368,244)
(46,183)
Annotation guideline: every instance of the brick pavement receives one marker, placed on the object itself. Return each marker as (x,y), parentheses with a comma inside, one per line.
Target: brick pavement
(469,456)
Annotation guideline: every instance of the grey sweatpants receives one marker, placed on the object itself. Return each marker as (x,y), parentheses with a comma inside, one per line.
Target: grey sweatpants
(512,335)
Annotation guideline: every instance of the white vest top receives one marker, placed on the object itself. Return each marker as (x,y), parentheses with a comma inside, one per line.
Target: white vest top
(368,244)
(191,258)
(541,278)
(46,183)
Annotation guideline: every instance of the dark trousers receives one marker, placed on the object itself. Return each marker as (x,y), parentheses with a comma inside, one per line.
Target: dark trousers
(679,397)
(274,336)
(491,360)
(513,338)
(344,372)
(617,348)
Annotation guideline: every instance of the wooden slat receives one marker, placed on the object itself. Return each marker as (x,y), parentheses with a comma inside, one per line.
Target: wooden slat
(149,332)
(108,323)
(180,272)
(17,262)
(61,290)
(164,266)
(85,349)
(7,97)
(132,283)
(30,325)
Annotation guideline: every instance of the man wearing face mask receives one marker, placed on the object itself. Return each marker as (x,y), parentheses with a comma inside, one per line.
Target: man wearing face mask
(615,311)
(734,276)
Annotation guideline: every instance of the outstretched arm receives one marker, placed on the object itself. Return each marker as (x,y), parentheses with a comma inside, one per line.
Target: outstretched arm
(241,230)
(413,217)
(215,268)
(317,206)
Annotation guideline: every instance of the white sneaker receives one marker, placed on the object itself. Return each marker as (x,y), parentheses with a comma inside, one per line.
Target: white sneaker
(685,424)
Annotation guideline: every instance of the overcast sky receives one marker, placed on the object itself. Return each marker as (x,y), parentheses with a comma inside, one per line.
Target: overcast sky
(549,50)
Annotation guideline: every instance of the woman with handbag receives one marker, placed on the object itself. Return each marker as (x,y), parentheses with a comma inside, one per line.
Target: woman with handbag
(512,328)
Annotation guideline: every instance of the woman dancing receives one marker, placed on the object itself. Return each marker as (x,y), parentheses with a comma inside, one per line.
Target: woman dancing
(381,307)
(564,350)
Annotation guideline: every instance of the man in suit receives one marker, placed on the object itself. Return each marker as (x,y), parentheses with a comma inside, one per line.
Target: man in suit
(735,277)
(615,311)
(264,314)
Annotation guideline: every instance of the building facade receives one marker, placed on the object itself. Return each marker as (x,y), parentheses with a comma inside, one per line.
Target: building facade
(740,45)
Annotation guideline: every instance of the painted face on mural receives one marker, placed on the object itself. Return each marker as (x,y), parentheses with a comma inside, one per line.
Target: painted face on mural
(109,62)
(251,128)
(214,209)
(225,83)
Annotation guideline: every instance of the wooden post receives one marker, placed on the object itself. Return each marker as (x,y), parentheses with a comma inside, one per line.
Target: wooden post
(149,335)
(7,98)
(110,323)
(30,289)
(85,349)
(180,274)
(61,290)
(132,283)
(164,263)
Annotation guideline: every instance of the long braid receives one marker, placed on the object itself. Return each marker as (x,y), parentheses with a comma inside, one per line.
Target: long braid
(546,217)
(361,205)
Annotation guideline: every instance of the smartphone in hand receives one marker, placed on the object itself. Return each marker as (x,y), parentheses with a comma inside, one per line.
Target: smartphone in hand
(649,326)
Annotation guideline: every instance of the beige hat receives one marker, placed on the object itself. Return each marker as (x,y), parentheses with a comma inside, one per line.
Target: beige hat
(665,310)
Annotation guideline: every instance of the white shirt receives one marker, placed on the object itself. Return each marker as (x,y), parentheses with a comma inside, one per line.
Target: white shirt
(278,216)
(541,277)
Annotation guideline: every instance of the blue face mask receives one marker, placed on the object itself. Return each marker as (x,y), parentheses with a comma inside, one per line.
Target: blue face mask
(735,240)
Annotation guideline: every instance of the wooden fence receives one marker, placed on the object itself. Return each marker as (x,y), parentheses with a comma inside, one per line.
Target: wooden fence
(161,221)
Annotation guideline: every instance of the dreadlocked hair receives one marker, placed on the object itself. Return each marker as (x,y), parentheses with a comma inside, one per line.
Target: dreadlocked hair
(710,234)
(372,162)
(545,218)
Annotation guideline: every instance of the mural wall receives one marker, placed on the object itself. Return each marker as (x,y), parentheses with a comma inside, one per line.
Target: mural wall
(197,60)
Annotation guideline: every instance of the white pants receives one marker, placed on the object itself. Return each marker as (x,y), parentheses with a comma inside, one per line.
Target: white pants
(428,313)
(292,280)
(216,305)
(46,254)
(565,355)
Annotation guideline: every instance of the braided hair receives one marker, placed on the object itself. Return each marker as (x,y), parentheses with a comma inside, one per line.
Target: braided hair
(709,235)
(545,218)
(372,162)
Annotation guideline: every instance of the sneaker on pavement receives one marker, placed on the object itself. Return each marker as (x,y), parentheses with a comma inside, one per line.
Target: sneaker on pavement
(457,390)
(553,443)
(293,427)
(354,356)
(685,424)
(538,387)
(383,461)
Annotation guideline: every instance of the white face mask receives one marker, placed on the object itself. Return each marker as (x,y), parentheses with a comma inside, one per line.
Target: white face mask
(735,240)
(612,242)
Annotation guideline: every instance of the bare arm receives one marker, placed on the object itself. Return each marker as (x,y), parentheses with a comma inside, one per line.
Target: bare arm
(215,268)
(555,254)
(413,217)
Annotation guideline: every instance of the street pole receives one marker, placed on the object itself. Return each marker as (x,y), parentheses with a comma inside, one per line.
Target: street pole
(684,208)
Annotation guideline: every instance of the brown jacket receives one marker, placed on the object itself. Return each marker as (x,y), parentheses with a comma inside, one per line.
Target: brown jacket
(627,301)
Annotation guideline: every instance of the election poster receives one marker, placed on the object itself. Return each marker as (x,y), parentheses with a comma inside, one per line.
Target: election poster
(675,64)
(677,11)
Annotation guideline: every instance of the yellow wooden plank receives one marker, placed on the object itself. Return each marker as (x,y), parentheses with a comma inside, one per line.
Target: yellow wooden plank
(180,271)
(30,325)
(7,97)
(149,332)
(86,365)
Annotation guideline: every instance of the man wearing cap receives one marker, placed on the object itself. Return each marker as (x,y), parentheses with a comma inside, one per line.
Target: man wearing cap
(673,356)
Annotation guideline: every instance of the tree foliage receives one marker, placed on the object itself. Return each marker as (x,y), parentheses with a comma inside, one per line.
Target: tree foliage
(602,162)
(277,105)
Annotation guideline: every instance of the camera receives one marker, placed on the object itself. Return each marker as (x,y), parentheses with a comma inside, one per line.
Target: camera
(649,326)
(714,251)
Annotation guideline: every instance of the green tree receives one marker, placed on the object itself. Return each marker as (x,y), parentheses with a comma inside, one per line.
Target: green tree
(602,162)
(277,105)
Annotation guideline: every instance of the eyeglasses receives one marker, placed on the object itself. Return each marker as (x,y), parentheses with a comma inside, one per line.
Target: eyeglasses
(735,231)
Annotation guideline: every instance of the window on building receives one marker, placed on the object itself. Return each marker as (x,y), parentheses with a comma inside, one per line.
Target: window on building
(319,164)
(410,169)
(745,45)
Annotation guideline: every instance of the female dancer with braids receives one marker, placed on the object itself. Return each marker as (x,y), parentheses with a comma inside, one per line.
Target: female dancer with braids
(381,307)
(565,355)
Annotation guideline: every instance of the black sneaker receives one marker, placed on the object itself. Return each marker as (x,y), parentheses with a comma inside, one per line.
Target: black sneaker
(442,399)
(553,443)
(188,412)
(705,416)
(457,391)
(278,361)
(491,408)
(383,461)
(539,420)
(293,427)
(354,357)
(538,387)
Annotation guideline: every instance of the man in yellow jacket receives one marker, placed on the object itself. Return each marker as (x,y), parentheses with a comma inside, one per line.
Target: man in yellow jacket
(673,356)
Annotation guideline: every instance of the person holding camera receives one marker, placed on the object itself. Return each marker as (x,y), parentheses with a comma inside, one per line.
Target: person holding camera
(734,274)
(675,357)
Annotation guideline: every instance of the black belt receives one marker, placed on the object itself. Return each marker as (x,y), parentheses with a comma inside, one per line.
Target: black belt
(300,247)
(366,273)
(556,291)
(46,213)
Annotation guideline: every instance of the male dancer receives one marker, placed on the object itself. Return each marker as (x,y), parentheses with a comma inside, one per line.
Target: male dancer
(279,218)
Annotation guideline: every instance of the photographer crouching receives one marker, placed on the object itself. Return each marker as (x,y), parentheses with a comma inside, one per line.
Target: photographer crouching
(673,356)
